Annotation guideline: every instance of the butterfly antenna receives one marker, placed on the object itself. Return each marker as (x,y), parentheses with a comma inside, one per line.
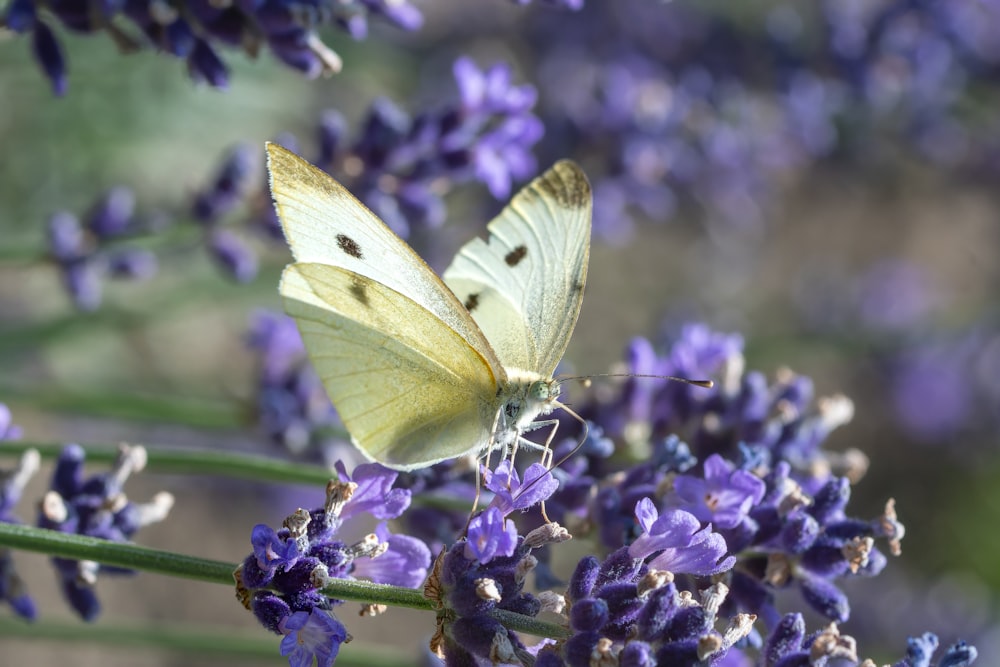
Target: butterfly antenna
(707,384)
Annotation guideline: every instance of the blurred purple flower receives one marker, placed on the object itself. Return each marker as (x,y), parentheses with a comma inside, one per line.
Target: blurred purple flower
(894,295)
(95,506)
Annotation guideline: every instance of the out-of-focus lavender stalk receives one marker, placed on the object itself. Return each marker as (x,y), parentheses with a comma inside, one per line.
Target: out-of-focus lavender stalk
(195,30)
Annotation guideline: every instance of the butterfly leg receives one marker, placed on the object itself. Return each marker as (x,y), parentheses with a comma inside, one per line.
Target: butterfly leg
(546,448)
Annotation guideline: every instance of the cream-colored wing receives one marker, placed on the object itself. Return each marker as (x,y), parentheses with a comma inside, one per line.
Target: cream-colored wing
(524,286)
(326,224)
(410,389)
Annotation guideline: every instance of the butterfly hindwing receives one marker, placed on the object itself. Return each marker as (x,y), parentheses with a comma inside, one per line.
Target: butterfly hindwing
(410,389)
(524,285)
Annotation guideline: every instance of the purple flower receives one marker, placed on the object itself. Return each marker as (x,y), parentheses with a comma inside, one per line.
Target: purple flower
(281,582)
(894,295)
(8,429)
(233,255)
(491,91)
(511,494)
(312,635)
(227,187)
(293,408)
(85,255)
(95,506)
(684,547)
(489,536)
(272,551)
(724,496)
(404,563)
(374,494)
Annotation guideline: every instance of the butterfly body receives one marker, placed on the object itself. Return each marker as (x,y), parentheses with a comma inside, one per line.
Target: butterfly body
(419,369)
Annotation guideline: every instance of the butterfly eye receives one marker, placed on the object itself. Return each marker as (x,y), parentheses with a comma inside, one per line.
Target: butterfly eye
(544,391)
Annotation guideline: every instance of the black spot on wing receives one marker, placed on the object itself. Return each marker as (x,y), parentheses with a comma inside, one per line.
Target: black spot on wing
(577,287)
(349,245)
(472,302)
(359,290)
(514,257)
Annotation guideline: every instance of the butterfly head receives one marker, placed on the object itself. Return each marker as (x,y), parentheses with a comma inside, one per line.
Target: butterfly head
(544,391)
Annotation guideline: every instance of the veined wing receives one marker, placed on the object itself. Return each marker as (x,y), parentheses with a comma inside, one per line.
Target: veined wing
(409,388)
(524,285)
(326,224)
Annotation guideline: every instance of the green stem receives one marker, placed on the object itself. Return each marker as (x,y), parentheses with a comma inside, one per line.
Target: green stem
(78,547)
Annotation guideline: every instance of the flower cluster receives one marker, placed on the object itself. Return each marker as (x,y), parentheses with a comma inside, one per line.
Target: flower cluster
(194,30)
(399,164)
(88,252)
(789,90)
(95,506)
(624,611)
(485,572)
(281,582)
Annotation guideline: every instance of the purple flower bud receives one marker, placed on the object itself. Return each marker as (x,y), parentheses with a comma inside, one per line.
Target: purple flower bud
(829,503)
(579,648)
(49,55)
(584,578)
(655,617)
(228,186)
(82,280)
(133,264)
(67,241)
(679,654)
(588,615)
(636,654)
(959,655)
(825,598)
(403,15)
(178,38)
(80,596)
(270,610)
(21,15)
(233,254)
(620,565)
(799,533)
(332,128)
(112,214)
(481,635)
(205,65)
(785,639)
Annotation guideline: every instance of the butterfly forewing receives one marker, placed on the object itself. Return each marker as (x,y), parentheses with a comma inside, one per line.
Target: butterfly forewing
(326,224)
(524,285)
(409,389)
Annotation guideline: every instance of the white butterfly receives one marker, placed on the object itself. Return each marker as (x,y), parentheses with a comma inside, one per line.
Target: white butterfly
(418,370)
